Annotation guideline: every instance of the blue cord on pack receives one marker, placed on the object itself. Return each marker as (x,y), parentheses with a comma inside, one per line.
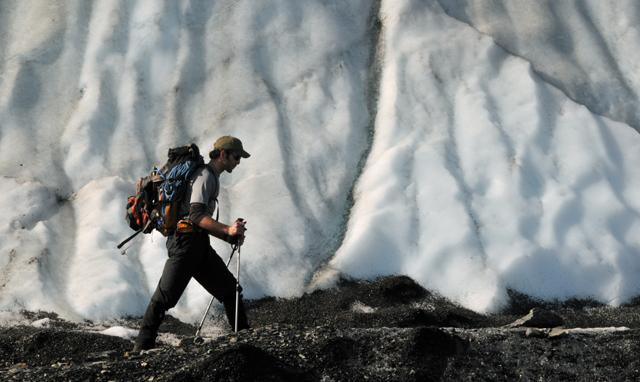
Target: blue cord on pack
(172,182)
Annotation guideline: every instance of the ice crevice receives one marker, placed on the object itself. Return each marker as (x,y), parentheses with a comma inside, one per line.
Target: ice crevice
(323,273)
(285,140)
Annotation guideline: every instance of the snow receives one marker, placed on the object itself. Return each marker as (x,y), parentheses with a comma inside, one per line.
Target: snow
(474,146)
(359,307)
(120,331)
(41,323)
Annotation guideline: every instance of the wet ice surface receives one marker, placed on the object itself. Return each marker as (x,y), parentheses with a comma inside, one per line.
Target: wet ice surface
(478,147)
(413,335)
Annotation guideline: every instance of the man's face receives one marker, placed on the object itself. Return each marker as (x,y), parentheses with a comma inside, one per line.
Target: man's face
(231,160)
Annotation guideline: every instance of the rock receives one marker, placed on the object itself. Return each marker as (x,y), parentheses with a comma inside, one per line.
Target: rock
(18,366)
(150,351)
(558,332)
(536,333)
(101,355)
(538,318)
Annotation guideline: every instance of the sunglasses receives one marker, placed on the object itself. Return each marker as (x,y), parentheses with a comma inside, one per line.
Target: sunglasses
(236,156)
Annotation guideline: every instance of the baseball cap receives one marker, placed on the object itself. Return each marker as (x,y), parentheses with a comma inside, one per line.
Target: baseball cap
(228,142)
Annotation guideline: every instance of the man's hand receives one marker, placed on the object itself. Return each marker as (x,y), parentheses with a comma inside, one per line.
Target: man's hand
(233,233)
(236,231)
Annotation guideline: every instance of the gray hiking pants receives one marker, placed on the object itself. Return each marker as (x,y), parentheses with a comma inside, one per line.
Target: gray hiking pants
(190,255)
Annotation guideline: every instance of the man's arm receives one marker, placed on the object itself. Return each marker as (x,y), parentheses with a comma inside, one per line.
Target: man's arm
(215,228)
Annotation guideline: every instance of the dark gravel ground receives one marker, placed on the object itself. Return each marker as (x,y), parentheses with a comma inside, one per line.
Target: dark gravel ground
(389,329)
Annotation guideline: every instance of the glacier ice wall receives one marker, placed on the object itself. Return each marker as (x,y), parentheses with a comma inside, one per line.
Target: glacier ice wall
(500,180)
(586,49)
(473,145)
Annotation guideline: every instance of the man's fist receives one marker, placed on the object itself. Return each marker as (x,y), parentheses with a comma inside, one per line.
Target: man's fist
(236,231)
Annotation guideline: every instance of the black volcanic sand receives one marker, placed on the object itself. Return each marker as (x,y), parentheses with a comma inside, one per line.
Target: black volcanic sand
(390,329)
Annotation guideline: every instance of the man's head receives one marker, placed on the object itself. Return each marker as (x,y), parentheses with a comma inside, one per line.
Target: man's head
(227,152)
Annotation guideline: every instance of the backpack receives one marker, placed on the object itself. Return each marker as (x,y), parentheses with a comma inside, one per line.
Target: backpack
(159,195)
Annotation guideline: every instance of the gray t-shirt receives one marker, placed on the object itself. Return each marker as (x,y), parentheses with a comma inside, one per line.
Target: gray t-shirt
(203,188)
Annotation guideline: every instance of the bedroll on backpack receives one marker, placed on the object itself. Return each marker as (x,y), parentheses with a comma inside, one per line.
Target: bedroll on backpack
(159,195)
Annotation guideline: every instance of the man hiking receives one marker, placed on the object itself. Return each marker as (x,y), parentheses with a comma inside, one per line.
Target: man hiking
(190,254)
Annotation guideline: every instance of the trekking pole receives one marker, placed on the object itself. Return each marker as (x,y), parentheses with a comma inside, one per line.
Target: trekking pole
(237,289)
(198,339)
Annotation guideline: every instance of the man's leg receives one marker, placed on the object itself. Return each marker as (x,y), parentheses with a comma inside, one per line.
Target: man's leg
(214,276)
(175,277)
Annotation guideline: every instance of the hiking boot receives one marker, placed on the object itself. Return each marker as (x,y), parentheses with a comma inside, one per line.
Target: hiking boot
(140,346)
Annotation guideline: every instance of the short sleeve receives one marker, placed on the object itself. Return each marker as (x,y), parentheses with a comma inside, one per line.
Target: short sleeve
(201,189)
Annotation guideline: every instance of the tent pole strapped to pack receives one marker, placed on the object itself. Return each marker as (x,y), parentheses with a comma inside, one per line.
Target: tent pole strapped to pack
(125,241)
